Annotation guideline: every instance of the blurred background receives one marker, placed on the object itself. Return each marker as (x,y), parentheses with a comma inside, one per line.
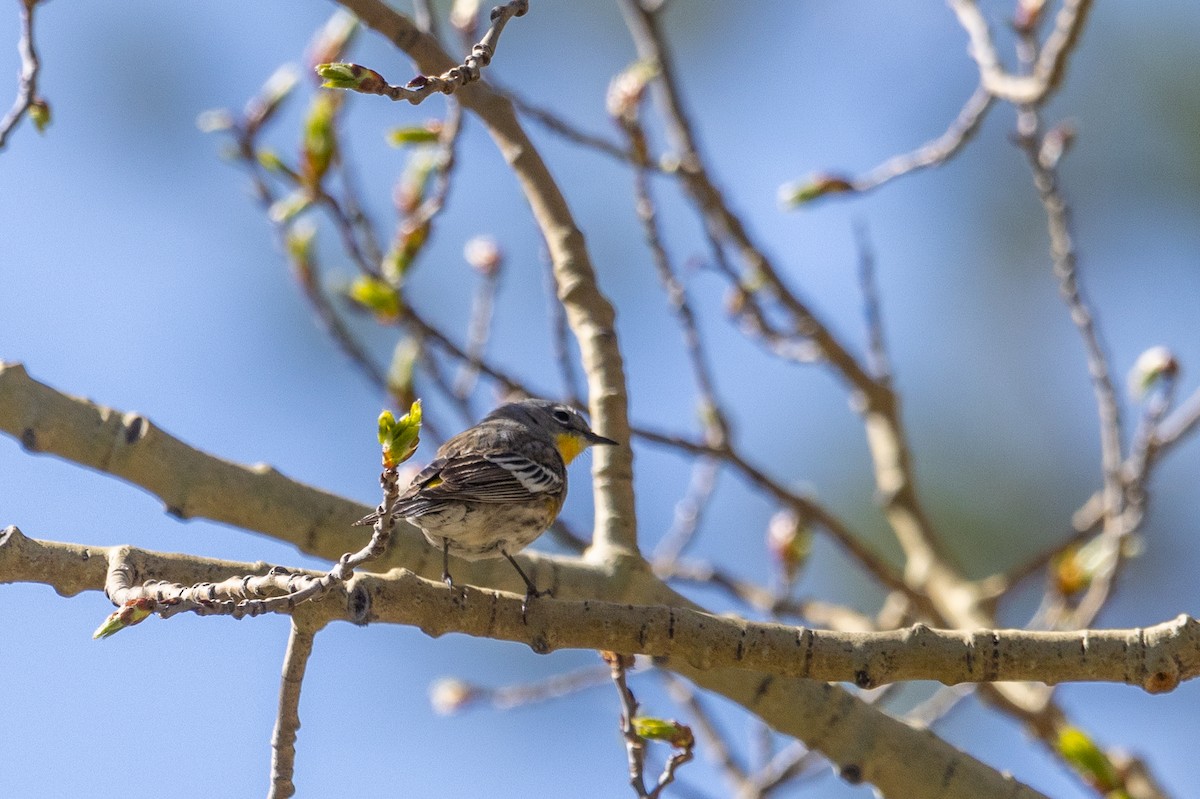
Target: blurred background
(136,269)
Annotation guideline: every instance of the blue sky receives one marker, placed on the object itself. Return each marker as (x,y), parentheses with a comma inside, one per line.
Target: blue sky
(135,269)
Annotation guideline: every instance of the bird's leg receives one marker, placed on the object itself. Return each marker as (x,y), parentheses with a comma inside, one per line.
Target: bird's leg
(446,578)
(531,590)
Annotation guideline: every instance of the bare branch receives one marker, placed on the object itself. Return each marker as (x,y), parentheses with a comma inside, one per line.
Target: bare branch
(1049,66)
(420,88)
(872,310)
(560,126)
(1156,658)
(801,707)
(28,102)
(287,721)
(933,153)
(450,695)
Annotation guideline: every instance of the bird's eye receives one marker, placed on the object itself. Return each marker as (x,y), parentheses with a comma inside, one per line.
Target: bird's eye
(562,416)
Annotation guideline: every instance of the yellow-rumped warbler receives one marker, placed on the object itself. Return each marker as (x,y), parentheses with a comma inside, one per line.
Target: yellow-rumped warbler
(495,487)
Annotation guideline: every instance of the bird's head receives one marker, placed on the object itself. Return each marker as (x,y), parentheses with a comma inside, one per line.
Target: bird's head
(566,426)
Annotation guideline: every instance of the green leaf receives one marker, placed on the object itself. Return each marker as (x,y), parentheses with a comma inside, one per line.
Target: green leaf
(270,161)
(400,372)
(417,134)
(400,437)
(398,260)
(377,296)
(1088,759)
(320,138)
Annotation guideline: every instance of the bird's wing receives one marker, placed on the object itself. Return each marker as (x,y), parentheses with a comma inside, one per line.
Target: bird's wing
(536,478)
(486,477)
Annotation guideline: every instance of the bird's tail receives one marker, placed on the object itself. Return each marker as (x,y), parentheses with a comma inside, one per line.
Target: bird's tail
(369,519)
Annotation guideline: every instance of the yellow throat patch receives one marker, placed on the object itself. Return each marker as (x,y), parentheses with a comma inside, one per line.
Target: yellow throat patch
(569,446)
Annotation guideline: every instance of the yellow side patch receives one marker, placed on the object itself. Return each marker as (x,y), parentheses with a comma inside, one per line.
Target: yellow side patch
(569,446)
(434,483)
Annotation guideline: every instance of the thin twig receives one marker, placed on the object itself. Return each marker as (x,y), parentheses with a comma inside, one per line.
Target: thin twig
(707,731)
(927,568)
(557,124)
(308,273)
(932,153)
(450,695)
(689,511)
(27,96)
(877,354)
(635,747)
(1118,523)
(712,413)
(422,87)
(560,341)
(278,591)
(1065,265)
(444,163)
(287,720)
(635,744)
(804,507)
(479,328)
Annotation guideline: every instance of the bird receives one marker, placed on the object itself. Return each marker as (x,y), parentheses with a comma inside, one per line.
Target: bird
(495,487)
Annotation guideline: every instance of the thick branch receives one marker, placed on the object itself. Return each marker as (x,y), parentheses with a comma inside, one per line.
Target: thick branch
(1155,658)
(190,483)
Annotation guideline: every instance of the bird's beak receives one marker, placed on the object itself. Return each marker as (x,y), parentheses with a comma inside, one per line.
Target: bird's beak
(592,438)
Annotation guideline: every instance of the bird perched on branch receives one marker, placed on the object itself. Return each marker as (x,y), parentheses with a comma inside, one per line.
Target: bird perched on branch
(495,487)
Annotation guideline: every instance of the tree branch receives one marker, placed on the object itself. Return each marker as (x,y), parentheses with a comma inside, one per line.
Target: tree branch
(1049,66)
(287,722)
(1156,658)
(28,101)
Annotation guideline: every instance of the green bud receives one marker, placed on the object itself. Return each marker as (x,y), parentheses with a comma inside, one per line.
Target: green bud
(351,76)
(1154,366)
(270,161)
(674,733)
(1088,759)
(790,541)
(792,195)
(399,258)
(626,89)
(299,240)
(320,138)
(39,113)
(416,134)
(127,615)
(376,296)
(400,437)
(401,369)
